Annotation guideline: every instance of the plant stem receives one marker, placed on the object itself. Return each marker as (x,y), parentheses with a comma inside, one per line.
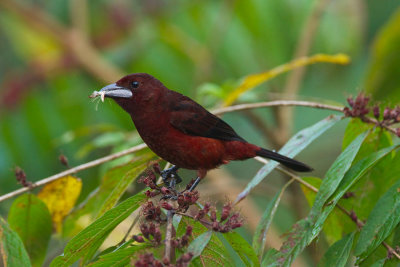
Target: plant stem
(169,254)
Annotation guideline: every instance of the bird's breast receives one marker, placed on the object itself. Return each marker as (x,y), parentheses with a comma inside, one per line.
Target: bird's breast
(185,151)
(188,151)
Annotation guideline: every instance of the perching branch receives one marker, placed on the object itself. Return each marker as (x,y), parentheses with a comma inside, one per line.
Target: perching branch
(169,253)
(216,111)
(74,170)
(220,111)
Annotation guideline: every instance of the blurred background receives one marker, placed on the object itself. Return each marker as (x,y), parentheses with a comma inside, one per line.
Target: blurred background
(55,53)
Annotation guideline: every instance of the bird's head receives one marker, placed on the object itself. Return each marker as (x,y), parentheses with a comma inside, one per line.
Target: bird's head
(133,90)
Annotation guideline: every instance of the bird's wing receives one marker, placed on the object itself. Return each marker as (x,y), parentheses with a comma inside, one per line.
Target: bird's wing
(192,119)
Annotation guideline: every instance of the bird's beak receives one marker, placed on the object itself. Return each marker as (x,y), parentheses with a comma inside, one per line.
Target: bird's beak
(115,91)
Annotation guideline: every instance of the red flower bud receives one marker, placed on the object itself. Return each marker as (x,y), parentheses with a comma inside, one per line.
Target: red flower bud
(189,230)
(213,216)
(166,261)
(376,112)
(166,205)
(386,113)
(225,212)
(200,215)
(165,191)
(63,159)
(350,101)
(152,228)
(187,257)
(157,235)
(393,114)
(138,238)
(215,226)
(145,230)
(236,225)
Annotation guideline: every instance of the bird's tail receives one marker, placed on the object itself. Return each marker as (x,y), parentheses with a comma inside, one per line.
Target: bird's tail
(288,162)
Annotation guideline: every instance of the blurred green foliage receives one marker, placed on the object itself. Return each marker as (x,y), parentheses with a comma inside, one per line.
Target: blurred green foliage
(199,48)
(184,44)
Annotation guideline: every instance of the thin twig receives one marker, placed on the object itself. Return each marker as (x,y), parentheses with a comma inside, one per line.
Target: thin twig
(220,111)
(299,103)
(205,223)
(360,224)
(289,173)
(75,170)
(374,121)
(169,254)
(134,221)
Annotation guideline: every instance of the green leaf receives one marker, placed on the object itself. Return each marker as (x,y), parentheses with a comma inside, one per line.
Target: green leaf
(124,182)
(294,146)
(91,204)
(369,189)
(270,254)
(12,250)
(214,254)
(103,140)
(354,129)
(260,235)
(120,257)
(95,201)
(352,176)
(31,219)
(93,248)
(336,223)
(383,77)
(338,254)
(336,173)
(304,231)
(197,246)
(381,222)
(379,263)
(357,171)
(243,248)
(94,233)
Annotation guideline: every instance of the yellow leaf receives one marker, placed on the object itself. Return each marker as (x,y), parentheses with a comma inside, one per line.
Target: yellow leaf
(253,80)
(60,197)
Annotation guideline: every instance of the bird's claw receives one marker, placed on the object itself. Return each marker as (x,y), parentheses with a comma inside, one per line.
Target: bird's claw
(171,197)
(172,176)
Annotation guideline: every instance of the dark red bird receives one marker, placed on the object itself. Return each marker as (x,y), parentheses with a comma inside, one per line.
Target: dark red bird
(181,131)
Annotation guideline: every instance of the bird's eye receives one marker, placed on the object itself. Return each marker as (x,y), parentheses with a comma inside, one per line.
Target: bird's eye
(135,84)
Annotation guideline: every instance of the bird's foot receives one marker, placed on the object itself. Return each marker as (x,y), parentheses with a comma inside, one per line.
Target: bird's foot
(170,197)
(192,185)
(171,177)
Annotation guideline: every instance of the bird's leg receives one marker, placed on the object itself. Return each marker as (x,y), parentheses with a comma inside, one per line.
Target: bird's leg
(200,175)
(195,183)
(171,178)
(171,174)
